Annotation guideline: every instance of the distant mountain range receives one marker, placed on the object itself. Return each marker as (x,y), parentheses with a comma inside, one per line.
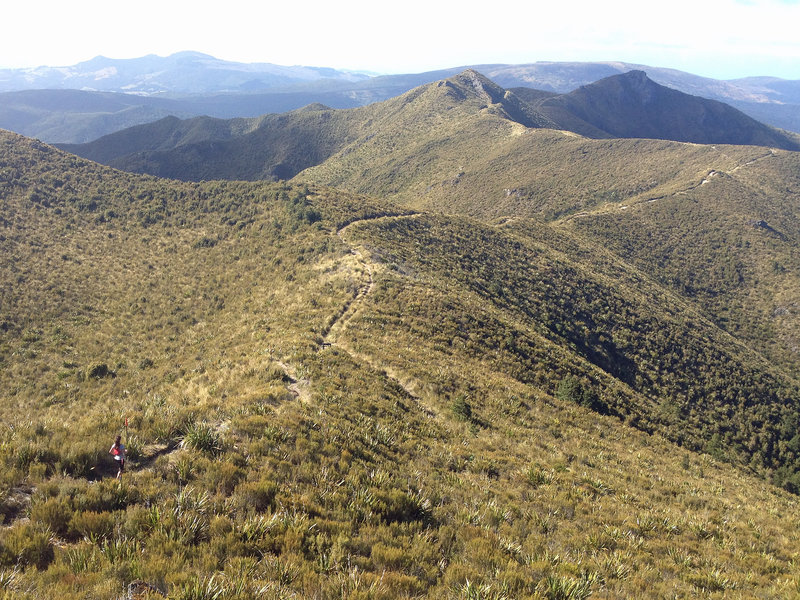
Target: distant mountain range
(280,146)
(181,73)
(115,94)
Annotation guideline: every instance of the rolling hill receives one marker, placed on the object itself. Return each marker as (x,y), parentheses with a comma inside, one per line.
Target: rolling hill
(464,352)
(276,146)
(78,116)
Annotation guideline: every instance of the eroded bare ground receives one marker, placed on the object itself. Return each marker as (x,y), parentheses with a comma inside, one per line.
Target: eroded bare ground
(298,387)
(16,505)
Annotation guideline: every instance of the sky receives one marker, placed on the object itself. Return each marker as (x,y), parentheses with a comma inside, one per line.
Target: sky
(724,39)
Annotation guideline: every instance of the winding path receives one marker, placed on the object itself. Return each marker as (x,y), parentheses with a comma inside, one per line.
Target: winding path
(332,335)
(349,310)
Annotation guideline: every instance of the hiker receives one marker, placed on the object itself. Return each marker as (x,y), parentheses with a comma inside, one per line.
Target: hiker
(118,451)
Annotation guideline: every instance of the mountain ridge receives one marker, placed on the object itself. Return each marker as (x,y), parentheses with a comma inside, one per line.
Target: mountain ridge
(633,105)
(628,105)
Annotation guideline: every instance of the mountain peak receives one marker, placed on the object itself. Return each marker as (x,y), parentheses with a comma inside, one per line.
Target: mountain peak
(638,83)
(191,54)
(474,83)
(633,105)
(635,75)
(314,106)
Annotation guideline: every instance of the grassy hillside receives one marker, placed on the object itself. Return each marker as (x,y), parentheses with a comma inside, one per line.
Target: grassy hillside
(542,315)
(330,397)
(715,223)
(489,167)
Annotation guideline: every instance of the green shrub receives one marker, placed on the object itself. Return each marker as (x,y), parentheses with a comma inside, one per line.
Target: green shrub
(99,371)
(80,558)
(104,495)
(461,408)
(27,545)
(92,525)
(137,521)
(52,513)
(486,591)
(571,389)
(555,587)
(252,426)
(202,437)
(224,476)
(257,496)
(397,506)
(389,557)
(34,453)
(537,476)
(82,460)
(210,588)
(120,550)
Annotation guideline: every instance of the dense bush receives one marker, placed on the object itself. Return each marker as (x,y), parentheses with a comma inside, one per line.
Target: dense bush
(202,437)
(53,514)
(461,408)
(258,496)
(27,545)
(571,389)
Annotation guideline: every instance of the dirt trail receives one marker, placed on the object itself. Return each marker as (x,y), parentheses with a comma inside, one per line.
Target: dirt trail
(349,310)
(768,154)
(333,335)
(707,179)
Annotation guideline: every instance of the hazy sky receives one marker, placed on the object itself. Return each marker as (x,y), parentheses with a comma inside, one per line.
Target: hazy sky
(715,38)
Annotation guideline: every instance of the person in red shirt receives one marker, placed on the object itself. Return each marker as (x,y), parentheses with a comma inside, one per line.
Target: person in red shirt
(118,452)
